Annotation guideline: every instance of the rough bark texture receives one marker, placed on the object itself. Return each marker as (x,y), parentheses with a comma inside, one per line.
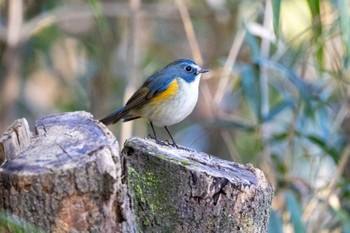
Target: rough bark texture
(175,190)
(65,177)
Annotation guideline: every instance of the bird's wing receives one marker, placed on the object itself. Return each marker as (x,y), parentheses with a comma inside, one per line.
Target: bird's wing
(139,98)
(153,86)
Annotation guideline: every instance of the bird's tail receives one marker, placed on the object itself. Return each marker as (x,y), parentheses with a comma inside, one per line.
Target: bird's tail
(115,116)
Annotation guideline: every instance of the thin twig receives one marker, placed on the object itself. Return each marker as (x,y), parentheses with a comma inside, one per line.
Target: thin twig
(264,52)
(314,202)
(10,81)
(72,12)
(225,134)
(196,53)
(230,61)
(185,16)
(126,129)
(264,84)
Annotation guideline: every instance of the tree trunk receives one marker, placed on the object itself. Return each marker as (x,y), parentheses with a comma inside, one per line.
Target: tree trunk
(65,177)
(68,176)
(180,190)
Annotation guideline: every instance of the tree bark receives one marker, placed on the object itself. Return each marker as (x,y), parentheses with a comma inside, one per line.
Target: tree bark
(65,177)
(68,176)
(179,190)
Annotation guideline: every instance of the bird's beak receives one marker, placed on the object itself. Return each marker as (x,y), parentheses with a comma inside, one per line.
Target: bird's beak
(202,70)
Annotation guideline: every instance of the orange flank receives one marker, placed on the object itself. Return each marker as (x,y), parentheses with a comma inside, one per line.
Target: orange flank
(167,94)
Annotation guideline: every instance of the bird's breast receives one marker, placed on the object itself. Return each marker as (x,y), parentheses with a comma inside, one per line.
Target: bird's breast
(174,104)
(169,93)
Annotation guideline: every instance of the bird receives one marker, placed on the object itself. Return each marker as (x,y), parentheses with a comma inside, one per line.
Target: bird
(165,98)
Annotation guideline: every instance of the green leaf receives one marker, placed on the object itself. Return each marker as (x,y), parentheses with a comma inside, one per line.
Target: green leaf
(40,44)
(281,167)
(280,137)
(306,90)
(344,26)
(12,223)
(333,152)
(251,90)
(314,6)
(276,8)
(275,110)
(275,223)
(101,20)
(295,212)
(254,46)
(344,219)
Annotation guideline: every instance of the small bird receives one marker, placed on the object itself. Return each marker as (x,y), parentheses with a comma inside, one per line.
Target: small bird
(165,98)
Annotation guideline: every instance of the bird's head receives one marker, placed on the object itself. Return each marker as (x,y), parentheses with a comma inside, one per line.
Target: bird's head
(185,69)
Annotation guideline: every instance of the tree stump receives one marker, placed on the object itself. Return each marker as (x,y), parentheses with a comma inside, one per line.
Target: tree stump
(177,190)
(65,177)
(68,176)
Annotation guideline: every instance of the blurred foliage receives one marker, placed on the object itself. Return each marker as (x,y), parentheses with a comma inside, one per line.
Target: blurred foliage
(13,224)
(277,95)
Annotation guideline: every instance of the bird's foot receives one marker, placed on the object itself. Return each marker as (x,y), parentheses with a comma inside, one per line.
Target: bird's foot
(168,143)
(173,144)
(185,148)
(159,142)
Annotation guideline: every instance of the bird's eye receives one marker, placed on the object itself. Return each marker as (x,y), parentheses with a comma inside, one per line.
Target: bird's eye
(188,68)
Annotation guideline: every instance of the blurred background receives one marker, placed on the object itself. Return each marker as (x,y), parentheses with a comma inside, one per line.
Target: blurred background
(276,96)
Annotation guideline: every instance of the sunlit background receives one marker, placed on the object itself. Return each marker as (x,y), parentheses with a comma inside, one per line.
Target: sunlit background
(276,96)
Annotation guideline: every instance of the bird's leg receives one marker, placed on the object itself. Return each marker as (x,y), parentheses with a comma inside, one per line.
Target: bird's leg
(154,133)
(174,143)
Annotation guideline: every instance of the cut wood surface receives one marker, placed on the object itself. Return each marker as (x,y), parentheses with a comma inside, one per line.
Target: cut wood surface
(68,176)
(177,190)
(63,177)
